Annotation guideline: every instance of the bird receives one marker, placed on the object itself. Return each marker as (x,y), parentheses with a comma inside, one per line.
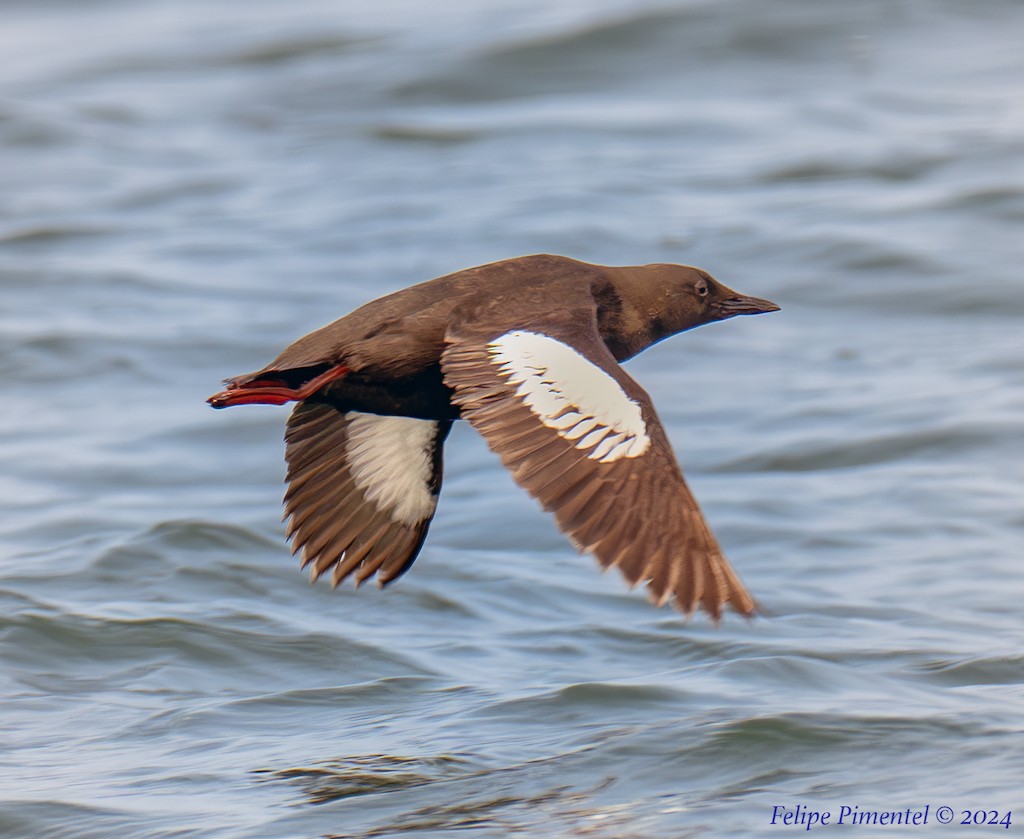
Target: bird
(527,350)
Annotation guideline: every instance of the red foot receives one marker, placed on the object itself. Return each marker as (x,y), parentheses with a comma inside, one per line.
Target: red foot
(271,392)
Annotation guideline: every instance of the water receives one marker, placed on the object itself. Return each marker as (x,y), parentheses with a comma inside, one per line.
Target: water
(186,187)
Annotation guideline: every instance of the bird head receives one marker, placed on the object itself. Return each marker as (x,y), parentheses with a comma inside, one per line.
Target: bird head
(683,297)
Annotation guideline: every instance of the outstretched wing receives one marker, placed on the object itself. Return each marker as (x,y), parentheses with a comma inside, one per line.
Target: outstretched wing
(362,490)
(583,438)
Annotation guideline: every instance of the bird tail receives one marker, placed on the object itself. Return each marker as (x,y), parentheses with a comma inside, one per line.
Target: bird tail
(276,387)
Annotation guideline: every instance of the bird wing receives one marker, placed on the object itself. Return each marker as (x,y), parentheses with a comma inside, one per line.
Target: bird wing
(583,438)
(362,489)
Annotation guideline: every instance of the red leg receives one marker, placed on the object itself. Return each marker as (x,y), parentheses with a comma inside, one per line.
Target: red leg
(271,392)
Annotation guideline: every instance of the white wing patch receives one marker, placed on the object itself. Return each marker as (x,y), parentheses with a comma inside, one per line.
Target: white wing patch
(391,461)
(572,395)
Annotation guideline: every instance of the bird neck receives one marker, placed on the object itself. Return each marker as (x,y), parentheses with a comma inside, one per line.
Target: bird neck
(628,324)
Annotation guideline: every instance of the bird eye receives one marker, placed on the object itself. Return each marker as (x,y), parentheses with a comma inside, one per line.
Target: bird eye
(702,288)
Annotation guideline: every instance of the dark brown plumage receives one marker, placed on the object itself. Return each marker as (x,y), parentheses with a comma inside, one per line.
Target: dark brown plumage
(527,351)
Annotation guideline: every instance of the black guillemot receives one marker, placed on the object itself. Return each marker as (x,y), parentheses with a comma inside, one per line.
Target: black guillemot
(527,350)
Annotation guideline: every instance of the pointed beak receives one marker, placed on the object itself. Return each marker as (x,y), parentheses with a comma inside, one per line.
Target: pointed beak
(741,304)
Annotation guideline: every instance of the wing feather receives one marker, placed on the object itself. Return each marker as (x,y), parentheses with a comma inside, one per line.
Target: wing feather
(361,490)
(583,438)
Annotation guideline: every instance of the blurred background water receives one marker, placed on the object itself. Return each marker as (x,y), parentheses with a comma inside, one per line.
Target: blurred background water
(185,187)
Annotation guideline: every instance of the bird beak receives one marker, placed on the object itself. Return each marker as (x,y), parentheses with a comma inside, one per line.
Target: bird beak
(741,304)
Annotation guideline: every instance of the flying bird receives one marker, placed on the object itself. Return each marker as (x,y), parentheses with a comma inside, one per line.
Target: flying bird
(527,350)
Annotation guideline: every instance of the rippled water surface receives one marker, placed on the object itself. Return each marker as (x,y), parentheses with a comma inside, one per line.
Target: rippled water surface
(185,187)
